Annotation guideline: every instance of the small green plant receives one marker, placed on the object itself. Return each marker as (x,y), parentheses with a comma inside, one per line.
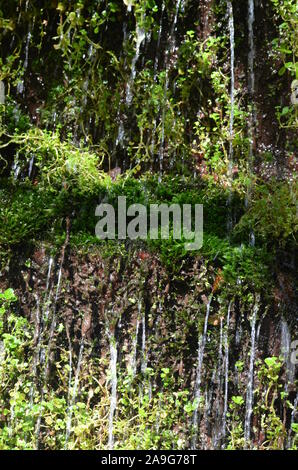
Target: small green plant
(235,427)
(271,390)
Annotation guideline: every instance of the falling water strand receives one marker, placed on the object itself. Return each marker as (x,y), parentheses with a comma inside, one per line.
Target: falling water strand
(232,102)
(47,362)
(20,85)
(250,385)
(286,353)
(238,334)
(120,118)
(171,49)
(129,4)
(2,93)
(113,398)
(70,370)
(143,365)
(174,25)
(49,272)
(258,331)
(251,90)
(31,162)
(133,362)
(46,303)
(73,395)
(206,414)
(140,36)
(54,321)
(52,328)
(158,41)
(251,54)
(162,141)
(143,358)
(232,71)
(49,292)
(220,357)
(44,318)
(27,50)
(216,431)
(54,317)
(208,403)
(37,340)
(201,348)
(121,133)
(156,60)
(226,342)
(16,168)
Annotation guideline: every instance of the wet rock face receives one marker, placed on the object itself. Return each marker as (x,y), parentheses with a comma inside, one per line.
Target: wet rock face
(114,173)
(155,322)
(206,19)
(106,346)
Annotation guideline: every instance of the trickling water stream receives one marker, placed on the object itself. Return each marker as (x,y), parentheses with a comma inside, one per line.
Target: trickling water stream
(285,350)
(113,381)
(198,380)
(250,383)
(54,321)
(226,367)
(216,432)
(168,60)
(144,354)
(232,104)
(251,90)
(140,36)
(37,339)
(2,92)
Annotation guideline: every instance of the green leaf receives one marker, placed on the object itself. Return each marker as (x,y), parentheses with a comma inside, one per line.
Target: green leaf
(238,400)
